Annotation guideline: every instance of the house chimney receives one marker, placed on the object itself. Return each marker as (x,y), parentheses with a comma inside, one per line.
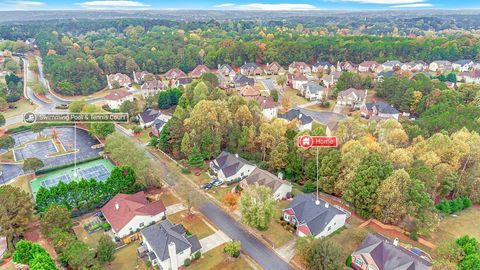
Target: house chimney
(236,155)
(300,116)
(327,205)
(396,241)
(280,175)
(172,252)
(117,206)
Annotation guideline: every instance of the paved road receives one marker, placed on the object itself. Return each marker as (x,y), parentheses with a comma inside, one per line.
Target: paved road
(263,255)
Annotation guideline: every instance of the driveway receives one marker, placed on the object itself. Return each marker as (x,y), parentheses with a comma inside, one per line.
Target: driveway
(323,117)
(172,209)
(212,241)
(262,254)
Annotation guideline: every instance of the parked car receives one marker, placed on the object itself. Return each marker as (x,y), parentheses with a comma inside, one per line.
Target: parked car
(217,183)
(207,186)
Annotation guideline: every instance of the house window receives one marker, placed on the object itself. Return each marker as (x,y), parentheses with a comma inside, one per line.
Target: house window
(142,224)
(328,228)
(359,261)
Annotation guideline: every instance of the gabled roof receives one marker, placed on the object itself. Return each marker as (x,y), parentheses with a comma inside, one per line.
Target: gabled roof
(382,107)
(160,235)
(359,93)
(298,65)
(148,115)
(124,207)
(249,66)
(150,85)
(368,64)
(388,256)
(199,70)
(274,66)
(314,88)
(242,80)
(266,102)
(296,114)
(392,63)
(229,163)
(322,64)
(442,63)
(249,91)
(475,74)
(120,78)
(264,178)
(184,80)
(316,217)
(141,74)
(175,72)
(463,62)
(300,77)
(227,67)
(117,94)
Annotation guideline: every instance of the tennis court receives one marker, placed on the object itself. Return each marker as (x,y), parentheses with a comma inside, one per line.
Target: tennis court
(97,169)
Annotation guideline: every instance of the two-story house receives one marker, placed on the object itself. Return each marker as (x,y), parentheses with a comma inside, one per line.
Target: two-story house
(230,167)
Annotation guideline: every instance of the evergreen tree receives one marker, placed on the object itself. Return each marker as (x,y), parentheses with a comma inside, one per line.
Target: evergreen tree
(195,159)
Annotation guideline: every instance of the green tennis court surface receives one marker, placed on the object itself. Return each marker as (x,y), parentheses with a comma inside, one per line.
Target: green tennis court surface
(97,169)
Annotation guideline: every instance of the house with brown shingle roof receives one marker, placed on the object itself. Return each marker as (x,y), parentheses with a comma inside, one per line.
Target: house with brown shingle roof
(199,71)
(301,67)
(118,80)
(249,91)
(260,177)
(116,97)
(128,213)
(175,73)
(142,76)
(268,105)
(367,66)
(274,68)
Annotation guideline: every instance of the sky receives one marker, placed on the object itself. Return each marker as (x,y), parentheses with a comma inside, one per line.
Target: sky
(238,4)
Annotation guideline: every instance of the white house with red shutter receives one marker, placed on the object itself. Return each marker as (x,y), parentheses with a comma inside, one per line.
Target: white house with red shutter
(310,218)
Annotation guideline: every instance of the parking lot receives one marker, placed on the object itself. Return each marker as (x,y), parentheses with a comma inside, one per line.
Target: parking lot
(40,150)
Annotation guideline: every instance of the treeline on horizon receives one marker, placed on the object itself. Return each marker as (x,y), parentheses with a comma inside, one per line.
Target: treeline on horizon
(79,55)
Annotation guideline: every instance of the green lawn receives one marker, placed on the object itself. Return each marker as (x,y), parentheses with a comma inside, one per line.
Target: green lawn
(293,97)
(349,239)
(144,136)
(452,228)
(126,259)
(193,224)
(276,233)
(318,108)
(89,239)
(22,105)
(216,259)
(219,192)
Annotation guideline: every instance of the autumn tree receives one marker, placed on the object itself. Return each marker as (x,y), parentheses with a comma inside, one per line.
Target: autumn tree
(16,212)
(231,199)
(324,254)
(56,217)
(257,206)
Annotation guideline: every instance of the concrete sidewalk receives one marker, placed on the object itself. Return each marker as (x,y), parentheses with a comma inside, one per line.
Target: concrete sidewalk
(175,208)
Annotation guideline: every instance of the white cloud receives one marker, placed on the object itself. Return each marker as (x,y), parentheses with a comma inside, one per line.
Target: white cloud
(271,7)
(414,5)
(22,5)
(29,3)
(384,2)
(112,4)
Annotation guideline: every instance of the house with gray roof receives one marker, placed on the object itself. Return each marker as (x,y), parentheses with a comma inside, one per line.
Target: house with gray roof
(305,121)
(440,66)
(329,80)
(167,245)
(312,91)
(250,69)
(312,217)
(226,70)
(462,65)
(280,188)
(379,110)
(354,98)
(391,65)
(380,253)
(241,80)
(147,117)
(230,167)
(322,66)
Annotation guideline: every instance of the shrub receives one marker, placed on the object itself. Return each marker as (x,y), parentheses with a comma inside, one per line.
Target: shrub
(452,206)
(106,226)
(185,171)
(198,255)
(309,187)
(148,264)
(289,195)
(187,262)
(349,261)
(414,236)
(137,129)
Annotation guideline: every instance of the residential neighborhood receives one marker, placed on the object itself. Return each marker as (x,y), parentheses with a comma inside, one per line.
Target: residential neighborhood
(240,139)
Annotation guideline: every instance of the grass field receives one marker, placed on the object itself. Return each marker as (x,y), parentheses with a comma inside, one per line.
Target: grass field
(7,156)
(37,183)
(23,182)
(194,224)
(126,259)
(451,228)
(168,198)
(276,233)
(22,106)
(293,97)
(318,108)
(216,259)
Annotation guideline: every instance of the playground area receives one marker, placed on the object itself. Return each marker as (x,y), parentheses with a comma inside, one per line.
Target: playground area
(97,169)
